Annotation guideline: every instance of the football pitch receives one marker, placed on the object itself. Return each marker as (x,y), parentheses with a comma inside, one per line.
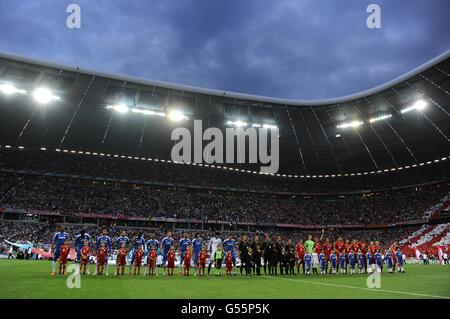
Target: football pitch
(32,279)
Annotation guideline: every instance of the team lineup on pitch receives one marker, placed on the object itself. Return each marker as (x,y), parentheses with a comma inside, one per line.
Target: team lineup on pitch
(274,256)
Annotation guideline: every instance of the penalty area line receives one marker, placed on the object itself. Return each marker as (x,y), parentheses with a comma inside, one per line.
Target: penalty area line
(361,288)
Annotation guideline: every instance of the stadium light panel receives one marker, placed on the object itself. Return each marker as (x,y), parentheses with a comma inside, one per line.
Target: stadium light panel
(44,95)
(147,112)
(270,126)
(177,116)
(353,124)
(418,106)
(380,118)
(121,108)
(239,123)
(9,89)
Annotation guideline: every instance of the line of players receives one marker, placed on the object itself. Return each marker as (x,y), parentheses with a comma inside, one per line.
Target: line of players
(270,255)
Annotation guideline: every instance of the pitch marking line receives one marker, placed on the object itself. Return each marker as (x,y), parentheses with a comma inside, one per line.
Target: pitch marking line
(362,288)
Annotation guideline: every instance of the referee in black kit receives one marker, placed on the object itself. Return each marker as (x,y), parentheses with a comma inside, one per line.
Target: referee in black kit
(267,248)
(243,252)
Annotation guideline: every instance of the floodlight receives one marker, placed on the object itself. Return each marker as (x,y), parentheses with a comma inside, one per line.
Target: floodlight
(9,89)
(177,116)
(240,123)
(121,108)
(44,95)
(380,118)
(353,124)
(418,106)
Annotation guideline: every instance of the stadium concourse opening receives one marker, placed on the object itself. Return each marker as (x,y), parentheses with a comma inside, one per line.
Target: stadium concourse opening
(86,175)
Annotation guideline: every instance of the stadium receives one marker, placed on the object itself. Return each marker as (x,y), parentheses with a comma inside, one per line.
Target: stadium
(368,172)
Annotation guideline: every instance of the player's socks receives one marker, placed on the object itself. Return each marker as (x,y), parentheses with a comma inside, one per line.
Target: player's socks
(53,266)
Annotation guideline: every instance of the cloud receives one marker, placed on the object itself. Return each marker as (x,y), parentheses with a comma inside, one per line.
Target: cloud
(293,49)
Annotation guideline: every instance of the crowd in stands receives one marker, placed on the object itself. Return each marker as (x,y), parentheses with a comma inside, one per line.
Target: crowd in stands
(163,172)
(21,191)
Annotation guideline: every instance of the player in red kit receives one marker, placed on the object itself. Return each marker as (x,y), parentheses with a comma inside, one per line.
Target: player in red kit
(318,243)
(84,260)
(187,260)
(101,258)
(202,256)
(170,260)
(372,247)
(363,246)
(229,263)
(151,261)
(392,251)
(355,245)
(347,247)
(122,259)
(138,260)
(300,255)
(339,245)
(64,255)
(327,249)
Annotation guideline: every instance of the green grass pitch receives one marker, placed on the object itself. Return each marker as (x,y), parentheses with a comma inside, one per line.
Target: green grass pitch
(31,279)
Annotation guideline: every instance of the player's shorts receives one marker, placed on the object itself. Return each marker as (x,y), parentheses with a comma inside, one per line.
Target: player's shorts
(187,264)
(84,261)
(171,263)
(101,261)
(151,264)
(63,260)
(138,262)
(164,255)
(56,255)
(122,261)
(182,258)
(196,253)
(202,263)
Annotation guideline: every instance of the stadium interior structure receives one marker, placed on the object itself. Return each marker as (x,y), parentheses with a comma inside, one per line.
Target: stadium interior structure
(89,149)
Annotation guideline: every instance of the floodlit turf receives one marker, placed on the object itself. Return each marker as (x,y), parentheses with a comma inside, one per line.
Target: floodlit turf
(31,279)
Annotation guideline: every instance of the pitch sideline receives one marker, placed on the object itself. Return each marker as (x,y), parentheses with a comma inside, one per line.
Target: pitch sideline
(361,288)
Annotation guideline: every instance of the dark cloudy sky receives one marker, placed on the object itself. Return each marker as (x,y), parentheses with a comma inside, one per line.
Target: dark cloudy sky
(306,49)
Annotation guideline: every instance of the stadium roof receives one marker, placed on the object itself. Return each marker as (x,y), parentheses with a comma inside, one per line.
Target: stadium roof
(402,122)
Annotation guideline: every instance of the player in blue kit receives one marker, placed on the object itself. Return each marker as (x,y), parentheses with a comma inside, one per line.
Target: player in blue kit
(79,242)
(400,260)
(361,266)
(104,238)
(389,262)
(229,245)
(334,262)
(139,240)
(369,262)
(166,243)
(58,240)
(343,263)
(122,240)
(182,246)
(352,262)
(323,263)
(308,259)
(197,244)
(378,262)
(152,242)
